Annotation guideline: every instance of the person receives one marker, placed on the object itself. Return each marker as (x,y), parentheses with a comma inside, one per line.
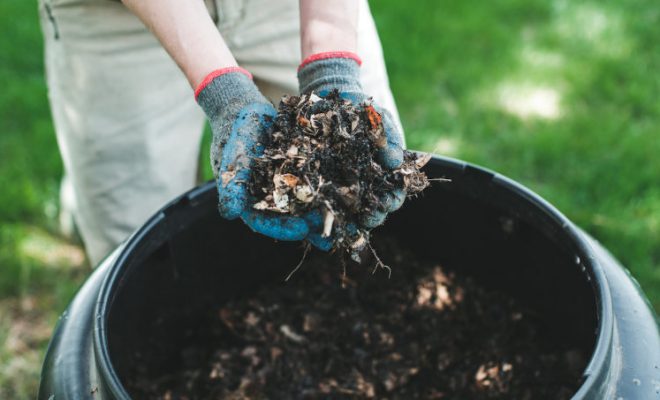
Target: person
(128,82)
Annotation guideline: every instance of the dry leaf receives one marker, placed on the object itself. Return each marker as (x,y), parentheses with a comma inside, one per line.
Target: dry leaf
(422,160)
(406,171)
(302,121)
(285,180)
(251,319)
(375,120)
(304,193)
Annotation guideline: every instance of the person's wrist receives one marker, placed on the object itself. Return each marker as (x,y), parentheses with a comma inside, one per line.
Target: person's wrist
(330,70)
(328,26)
(329,55)
(226,89)
(210,77)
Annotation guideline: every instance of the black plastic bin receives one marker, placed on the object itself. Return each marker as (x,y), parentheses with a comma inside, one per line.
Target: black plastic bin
(186,253)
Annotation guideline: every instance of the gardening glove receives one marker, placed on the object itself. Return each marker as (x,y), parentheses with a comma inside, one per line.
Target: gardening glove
(323,72)
(241,119)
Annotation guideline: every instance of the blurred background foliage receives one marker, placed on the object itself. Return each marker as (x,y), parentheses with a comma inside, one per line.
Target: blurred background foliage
(559,95)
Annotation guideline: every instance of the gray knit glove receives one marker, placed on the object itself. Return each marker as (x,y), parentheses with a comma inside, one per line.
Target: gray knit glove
(241,119)
(324,72)
(222,95)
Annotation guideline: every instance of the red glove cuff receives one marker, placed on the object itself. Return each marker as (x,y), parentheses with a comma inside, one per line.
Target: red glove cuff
(210,77)
(330,54)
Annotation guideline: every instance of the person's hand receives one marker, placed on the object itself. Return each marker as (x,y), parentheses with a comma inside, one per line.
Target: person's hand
(323,72)
(241,117)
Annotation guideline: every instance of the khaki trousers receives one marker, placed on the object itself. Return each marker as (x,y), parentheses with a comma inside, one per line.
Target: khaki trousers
(127,125)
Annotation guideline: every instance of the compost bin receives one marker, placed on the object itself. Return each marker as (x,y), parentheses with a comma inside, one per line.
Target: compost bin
(482,223)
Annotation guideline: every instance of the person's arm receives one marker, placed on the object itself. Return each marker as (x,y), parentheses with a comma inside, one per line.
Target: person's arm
(239,115)
(187,32)
(327,26)
(330,62)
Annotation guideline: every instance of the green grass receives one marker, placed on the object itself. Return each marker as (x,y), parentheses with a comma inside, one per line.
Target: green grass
(561,96)
(464,75)
(39,272)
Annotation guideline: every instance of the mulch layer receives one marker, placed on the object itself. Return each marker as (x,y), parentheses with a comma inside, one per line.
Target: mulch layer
(337,331)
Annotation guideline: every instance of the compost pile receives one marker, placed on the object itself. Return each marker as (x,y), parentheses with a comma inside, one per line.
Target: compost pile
(322,155)
(424,333)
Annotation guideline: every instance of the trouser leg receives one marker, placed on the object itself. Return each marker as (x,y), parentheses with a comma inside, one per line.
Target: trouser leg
(126,122)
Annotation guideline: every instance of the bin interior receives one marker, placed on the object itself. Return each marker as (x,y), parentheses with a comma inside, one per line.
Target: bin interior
(494,234)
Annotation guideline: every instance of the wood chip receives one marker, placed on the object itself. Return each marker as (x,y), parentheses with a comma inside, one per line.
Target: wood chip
(292,152)
(262,205)
(304,193)
(281,200)
(422,159)
(328,220)
(290,334)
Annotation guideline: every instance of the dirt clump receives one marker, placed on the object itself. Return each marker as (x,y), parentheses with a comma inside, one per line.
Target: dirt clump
(322,155)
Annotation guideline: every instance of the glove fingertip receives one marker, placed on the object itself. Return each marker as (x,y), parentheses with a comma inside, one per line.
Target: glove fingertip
(232,198)
(241,146)
(230,208)
(396,200)
(279,228)
(228,212)
(320,242)
(373,220)
(391,157)
(314,220)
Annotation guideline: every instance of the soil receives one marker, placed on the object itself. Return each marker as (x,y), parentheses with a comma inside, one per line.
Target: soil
(338,331)
(323,155)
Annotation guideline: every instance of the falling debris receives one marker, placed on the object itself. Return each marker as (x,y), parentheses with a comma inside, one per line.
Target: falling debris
(321,156)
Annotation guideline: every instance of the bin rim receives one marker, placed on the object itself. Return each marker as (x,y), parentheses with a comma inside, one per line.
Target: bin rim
(594,375)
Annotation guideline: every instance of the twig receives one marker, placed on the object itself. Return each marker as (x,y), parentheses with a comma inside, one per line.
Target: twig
(307,248)
(343,275)
(309,183)
(379,263)
(289,333)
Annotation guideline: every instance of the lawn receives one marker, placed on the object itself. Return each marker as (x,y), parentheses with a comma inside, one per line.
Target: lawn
(561,96)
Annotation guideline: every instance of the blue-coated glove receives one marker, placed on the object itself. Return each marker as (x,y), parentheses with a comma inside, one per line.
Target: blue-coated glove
(240,118)
(323,72)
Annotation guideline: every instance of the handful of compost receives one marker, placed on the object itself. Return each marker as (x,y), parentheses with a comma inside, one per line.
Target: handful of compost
(320,159)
